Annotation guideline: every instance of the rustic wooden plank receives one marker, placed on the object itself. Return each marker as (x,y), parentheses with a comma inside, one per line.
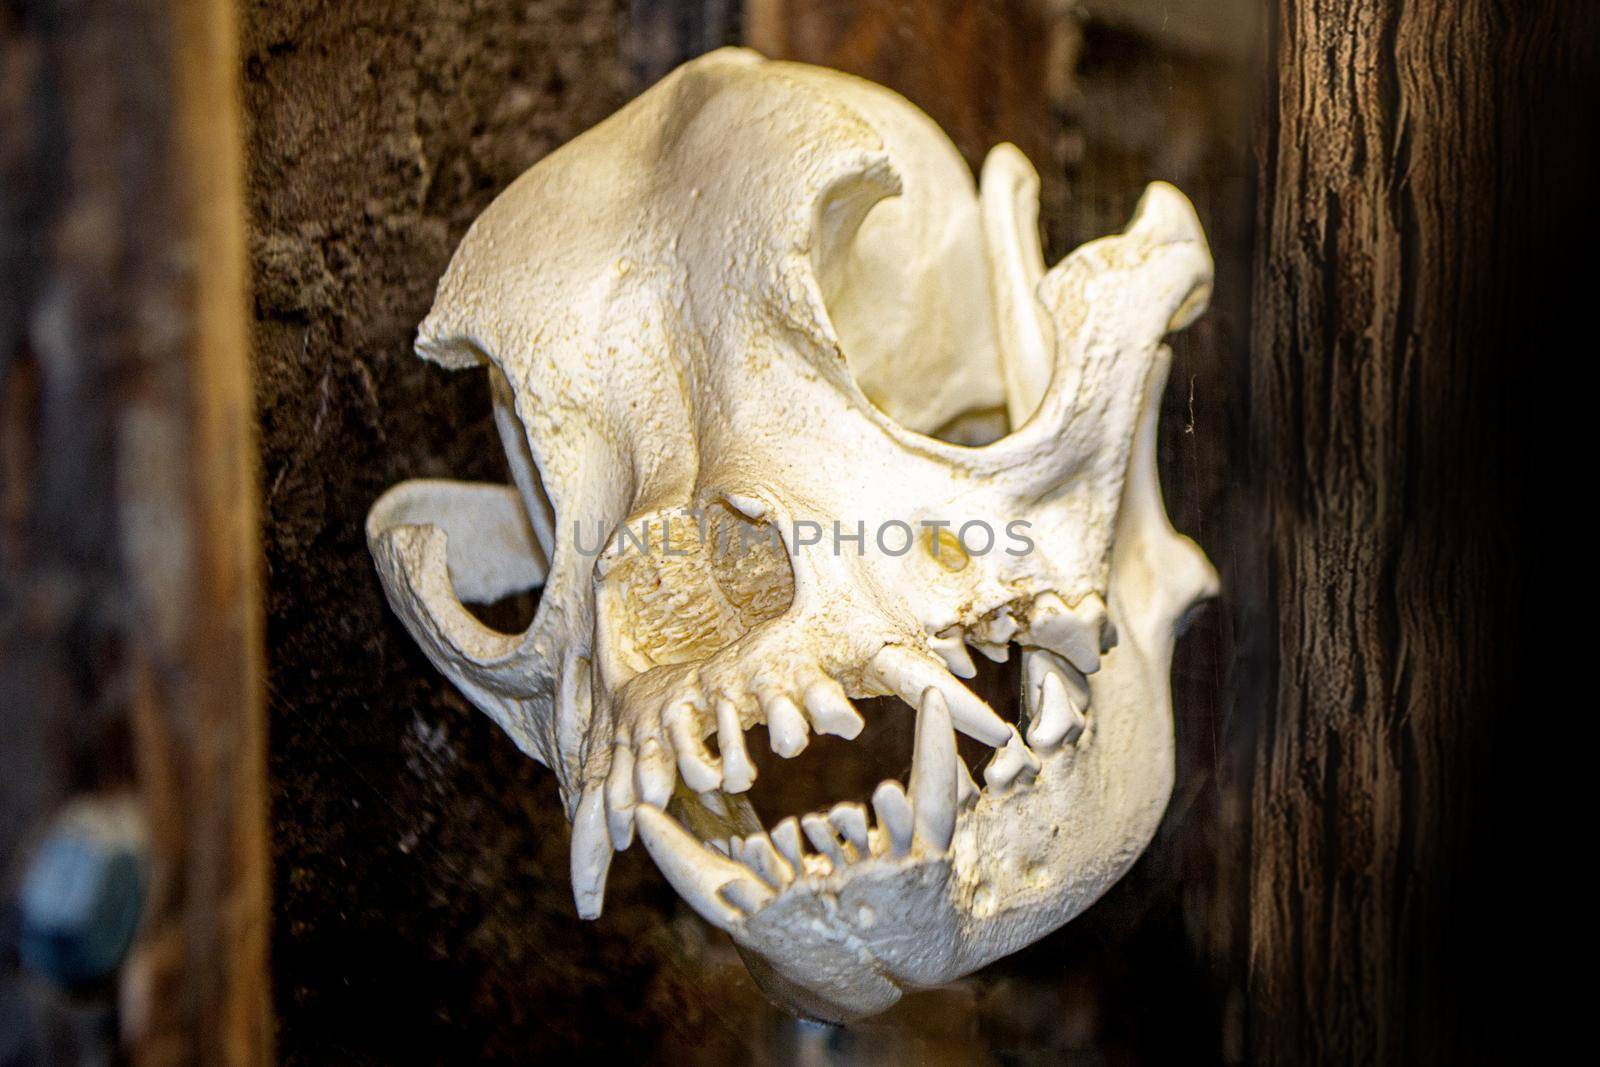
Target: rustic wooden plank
(1405,180)
(131,628)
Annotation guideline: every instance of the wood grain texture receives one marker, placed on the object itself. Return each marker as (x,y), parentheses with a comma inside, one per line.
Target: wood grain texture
(130,635)
(1404,179)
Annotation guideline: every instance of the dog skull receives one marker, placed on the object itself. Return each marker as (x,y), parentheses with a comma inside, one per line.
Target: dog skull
(721,328)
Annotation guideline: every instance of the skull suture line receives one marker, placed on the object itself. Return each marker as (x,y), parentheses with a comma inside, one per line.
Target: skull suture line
(746,302)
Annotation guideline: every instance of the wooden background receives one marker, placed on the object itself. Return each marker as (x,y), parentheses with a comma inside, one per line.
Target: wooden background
(1386,185)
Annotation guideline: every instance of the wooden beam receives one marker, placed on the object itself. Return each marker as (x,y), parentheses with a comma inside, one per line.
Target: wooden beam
(1404,180)
(131,540)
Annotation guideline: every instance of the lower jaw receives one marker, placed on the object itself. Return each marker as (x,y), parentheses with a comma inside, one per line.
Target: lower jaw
(851,944)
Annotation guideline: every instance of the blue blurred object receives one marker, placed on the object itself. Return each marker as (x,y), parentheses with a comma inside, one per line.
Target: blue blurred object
(80,901)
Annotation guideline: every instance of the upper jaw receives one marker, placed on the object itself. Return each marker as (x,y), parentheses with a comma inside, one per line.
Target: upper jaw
(949,875)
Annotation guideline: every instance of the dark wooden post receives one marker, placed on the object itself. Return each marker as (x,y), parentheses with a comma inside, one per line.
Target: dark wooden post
(130,656)
(1406,168)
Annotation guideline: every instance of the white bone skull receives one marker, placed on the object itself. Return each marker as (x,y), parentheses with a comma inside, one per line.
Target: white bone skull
(725,320)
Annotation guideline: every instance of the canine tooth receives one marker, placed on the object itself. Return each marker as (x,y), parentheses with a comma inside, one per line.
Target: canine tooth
(591,852)
(700,772)
(933,774)
(620,797)
(830,710)
(966,786)
(850,819)
(1058,719)
(786,838)
(889,803)
(786,727)
(1009,763)
(819,831)
(953,650)
(653,774)
(738,773)
(761,856)
(701,877)
(909,673)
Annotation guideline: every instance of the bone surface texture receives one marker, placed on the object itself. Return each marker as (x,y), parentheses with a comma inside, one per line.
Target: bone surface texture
(742,339)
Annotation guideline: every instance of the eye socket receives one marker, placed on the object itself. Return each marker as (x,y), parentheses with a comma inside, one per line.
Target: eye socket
(945,548)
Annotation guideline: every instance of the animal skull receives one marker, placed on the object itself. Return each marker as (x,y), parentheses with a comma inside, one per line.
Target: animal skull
(738,311)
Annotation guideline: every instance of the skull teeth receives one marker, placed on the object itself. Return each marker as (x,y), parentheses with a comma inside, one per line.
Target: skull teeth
(893,809)
(723,891)
(919,821)
(591,853)
(934,782)
(831,711)
(909,673)
(786,727)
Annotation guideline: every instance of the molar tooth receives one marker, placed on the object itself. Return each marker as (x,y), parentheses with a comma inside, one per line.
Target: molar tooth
(700,876)
(786,727)
(620,796)
(1078,634)
(1010,763)
(1058,720)
(819,831)
(762,856)
(953,650)
(993,652)
(699,770)
(909,673)
(850,819)
(591,852)
(933,774)
(830,710)
(738,773)
(894,815)
(786,837)
(653,774)
(998,629)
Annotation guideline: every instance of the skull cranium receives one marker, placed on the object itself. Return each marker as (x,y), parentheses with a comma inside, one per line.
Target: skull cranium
(738,311)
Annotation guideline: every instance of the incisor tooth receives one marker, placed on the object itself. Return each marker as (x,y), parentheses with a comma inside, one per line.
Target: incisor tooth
(894,815)
(746,894)
(786,727)
(591,852)
(786,837)
(738,773)
(953,650)
(761,856)
(819,831)
(831,712)
(933,774)
(620,797)
(850,819)
(704,879)
(908,673)
(653,774)
(700,772)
